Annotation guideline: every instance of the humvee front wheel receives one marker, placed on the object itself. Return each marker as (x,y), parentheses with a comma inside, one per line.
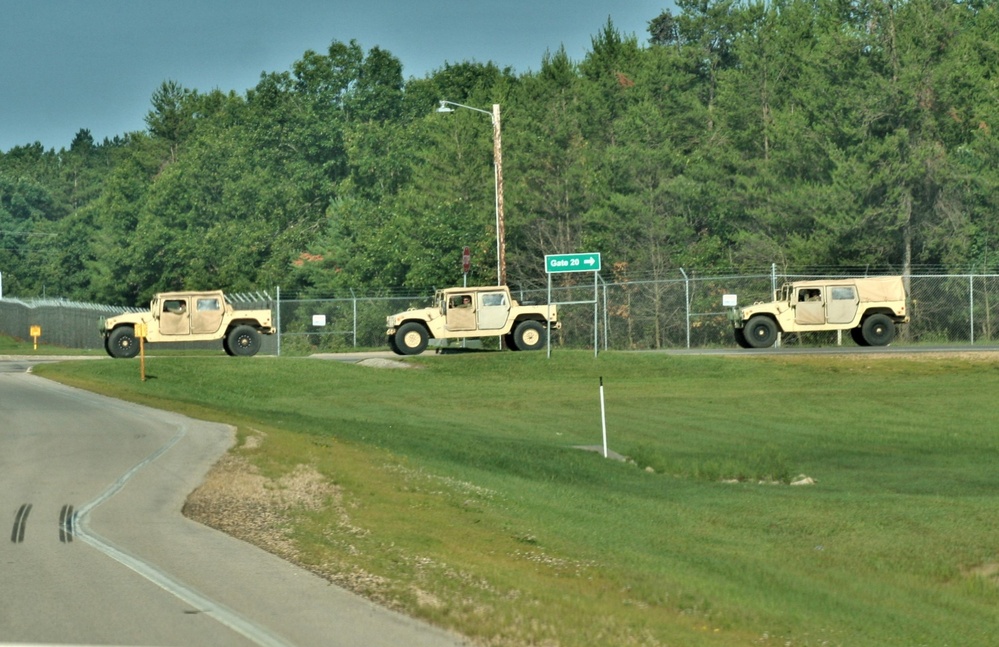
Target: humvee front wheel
(121,343)
(410,339)
(760,332)
(243,341)
(878,330)
(740,338)
(529,335)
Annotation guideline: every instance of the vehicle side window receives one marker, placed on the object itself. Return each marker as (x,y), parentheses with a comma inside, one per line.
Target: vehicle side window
(205,305)
(844,294)
(175,306)
(494,299)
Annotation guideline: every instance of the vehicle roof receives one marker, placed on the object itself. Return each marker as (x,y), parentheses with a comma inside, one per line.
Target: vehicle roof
(874,288)
(479,288)
(187,293)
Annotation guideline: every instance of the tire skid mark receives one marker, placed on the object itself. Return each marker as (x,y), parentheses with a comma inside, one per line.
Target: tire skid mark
(20,523)
(66,520)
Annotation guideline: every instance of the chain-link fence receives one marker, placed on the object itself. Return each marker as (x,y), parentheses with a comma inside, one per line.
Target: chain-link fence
(684,311)
(70,324)
(681,312)
(62,323)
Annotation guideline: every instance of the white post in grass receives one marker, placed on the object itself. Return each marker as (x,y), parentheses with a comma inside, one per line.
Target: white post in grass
(603,415)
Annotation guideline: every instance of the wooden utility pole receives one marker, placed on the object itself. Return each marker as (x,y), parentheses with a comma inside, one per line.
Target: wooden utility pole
(500,225)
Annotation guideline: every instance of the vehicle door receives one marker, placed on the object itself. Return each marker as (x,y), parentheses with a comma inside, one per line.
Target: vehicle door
(207,317)
(175,316)
(843,303)
(460,312)
(494,310)
(809,306)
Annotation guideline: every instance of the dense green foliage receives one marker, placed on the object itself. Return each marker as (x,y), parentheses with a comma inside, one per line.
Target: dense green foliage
(461,497)
(807,133)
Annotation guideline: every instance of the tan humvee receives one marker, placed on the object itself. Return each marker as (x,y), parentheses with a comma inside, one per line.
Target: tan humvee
(185,317)
(464,313)
(868,308)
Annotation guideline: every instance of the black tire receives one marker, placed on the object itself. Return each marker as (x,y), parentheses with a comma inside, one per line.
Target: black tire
(529,335)
(858,337)
(740,337)
(760,332)
(225,346)
(509,343)
(243,341)
(411,339)
(392,345)
(878,330)
(122,343)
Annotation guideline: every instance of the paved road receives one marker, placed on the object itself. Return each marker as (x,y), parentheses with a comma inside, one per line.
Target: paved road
(98,552)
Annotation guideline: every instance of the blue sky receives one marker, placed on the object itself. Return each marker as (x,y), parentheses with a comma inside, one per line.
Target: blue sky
(72,64)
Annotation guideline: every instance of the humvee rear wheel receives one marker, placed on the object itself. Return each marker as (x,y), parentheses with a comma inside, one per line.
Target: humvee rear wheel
(121,343)
(858,337)
(410,339)
(528,335)
(878,330)
(243,341)
(760,332)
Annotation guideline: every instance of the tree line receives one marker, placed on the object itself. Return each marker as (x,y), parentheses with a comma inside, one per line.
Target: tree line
(815,134)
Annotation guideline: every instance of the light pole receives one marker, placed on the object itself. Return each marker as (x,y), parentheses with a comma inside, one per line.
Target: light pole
(494,116)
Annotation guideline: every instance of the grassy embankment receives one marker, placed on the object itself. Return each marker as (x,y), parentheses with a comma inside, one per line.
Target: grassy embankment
(462,500)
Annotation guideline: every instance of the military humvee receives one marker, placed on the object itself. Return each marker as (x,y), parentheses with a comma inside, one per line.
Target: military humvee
(869,308)
(185,317)
(464,313)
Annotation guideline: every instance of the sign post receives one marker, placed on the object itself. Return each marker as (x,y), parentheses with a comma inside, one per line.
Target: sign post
(141,330)
(562,263)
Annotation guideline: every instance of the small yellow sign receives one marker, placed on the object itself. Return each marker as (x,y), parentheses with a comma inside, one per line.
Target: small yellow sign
(36,331)
(141,329)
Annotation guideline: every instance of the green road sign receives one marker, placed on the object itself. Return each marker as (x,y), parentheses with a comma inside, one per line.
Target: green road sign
(555,263)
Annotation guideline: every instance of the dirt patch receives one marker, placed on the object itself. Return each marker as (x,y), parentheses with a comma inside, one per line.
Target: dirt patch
(378,362)
(929,356)
(236,499)
(239,501)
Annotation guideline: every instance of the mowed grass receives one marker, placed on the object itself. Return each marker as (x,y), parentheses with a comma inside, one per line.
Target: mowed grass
(462,498)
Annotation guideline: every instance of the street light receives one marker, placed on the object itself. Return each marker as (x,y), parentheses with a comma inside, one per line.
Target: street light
(494,116)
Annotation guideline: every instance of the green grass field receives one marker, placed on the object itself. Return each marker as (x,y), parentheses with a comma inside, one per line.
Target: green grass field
(462,499)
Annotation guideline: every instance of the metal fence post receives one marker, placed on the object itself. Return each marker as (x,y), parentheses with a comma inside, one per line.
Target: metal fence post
(353,300)
(971,306)
(686,299)
(606,331)
(277,291)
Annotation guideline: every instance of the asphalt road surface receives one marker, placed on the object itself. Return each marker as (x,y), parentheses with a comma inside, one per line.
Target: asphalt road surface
(98,553)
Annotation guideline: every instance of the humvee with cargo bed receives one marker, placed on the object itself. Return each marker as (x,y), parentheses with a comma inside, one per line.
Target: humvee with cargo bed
(869,308)
(188,317)
(466,313)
